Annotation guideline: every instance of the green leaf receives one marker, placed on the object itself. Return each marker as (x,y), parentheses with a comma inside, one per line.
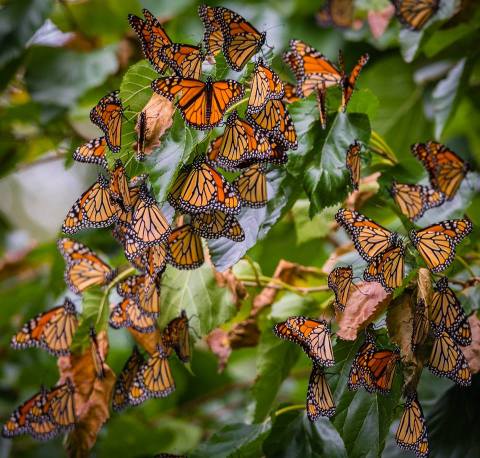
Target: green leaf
(58,77)
(445,95)
(105,20)
(326,178)
(91,300)
(400,120)
(449,433)
(362,419)
(294,435)
(196,292)
(236,440)
(19,20)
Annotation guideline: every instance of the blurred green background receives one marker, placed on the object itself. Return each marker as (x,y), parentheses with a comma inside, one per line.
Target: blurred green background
(57,58)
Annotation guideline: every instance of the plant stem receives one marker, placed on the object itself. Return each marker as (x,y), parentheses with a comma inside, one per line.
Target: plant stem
(121,276)
(288,409)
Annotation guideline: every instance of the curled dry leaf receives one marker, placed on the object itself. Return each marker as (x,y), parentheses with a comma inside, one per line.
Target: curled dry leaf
(92,396)
(368,188)
(424,285)
(472,352)
(244,334)
(285,272)
(366,302)
(219,343)
(400,329)
(332,260)
(378,20)
(158,118)
(147,340)
(229,280)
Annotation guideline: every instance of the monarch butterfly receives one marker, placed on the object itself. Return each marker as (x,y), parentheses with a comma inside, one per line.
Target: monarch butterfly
(284,332)
(125,379)
(252,186)
(412,431)
(319,395)
(154,259)
(199,188)
(436,243)
(420,324)
(107,115)
(152,37)
(315,337)
(446,309)
(134,186)
(52,330)
(176,336)
(322,104)
(119,190)
(447,359)
(186,251)
(92,152)
(184,60)
(83,267)
(40,425)
(201,104)
(348,82)
(143,289)
(413,14)
(387,268)
(278,153)
(19,421)
(336,12)
(352,161)
(373,369)
(445,169)
(61,405)
(94,208)
(149,225)
(240,39)
(238,146)
(415,199)
(370,239)
(265,85)
(217,224)
(97,357)
(290,93)
(339,281)
(213,37)
(128,314)
(153,379)
(311,68)
(275,119)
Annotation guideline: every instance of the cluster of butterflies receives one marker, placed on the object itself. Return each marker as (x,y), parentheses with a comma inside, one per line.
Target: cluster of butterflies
(314,73)
(412,14)
(51,412)
(374,369)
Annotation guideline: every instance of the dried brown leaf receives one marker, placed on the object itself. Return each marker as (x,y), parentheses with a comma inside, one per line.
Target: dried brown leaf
(368,188)
(92,396)
(147,340)
(285,272)
(244,334)
(424,286)
(159,118)
(227,279)
(378,20)
(472,352)
(366,302)
(400,329)
(219,343)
